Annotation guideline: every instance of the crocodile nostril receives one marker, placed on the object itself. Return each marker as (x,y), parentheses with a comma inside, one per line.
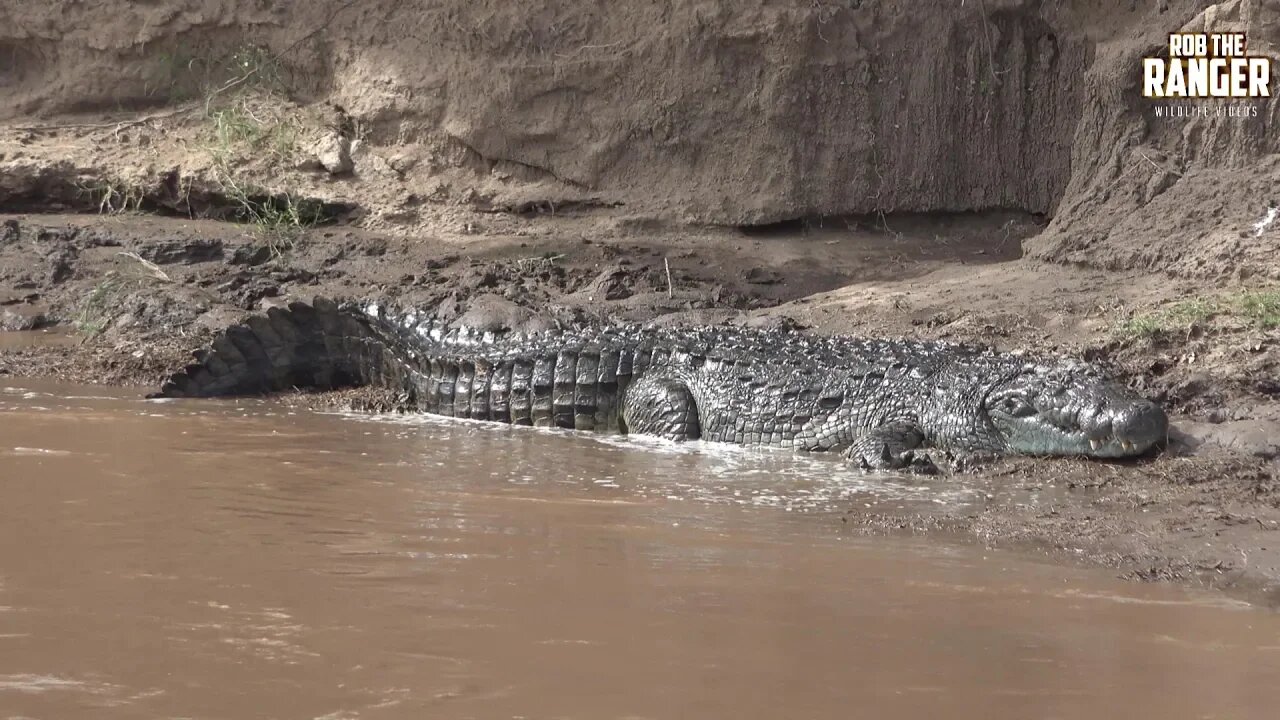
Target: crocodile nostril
(1142,423)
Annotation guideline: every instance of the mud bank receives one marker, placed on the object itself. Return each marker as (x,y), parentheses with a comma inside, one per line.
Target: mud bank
(137,294)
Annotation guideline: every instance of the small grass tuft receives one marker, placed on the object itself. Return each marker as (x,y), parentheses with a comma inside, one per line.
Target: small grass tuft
(105,301)
(261,69)
(279,219)
(238,135)
(1141,326)
(1262,307)
(1183,316)
(1256,308)
(246,126)
(237,132)
(101,306)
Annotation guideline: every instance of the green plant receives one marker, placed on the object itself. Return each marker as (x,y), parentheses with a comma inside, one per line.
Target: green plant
(279,220)
(237,133)
(97,309)
(185,74)
(1257,308)
(236,130)
(1262,307)
(259,68)
(1140,326)
(103,303)
(245,125)
(1183,316)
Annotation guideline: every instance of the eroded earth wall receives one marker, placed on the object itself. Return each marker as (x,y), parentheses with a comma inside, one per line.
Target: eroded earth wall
(722,111)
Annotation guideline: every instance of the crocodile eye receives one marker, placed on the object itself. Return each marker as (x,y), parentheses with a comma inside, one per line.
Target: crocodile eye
(1017,407)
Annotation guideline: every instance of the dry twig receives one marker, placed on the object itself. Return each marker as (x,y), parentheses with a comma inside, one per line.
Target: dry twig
(154,269)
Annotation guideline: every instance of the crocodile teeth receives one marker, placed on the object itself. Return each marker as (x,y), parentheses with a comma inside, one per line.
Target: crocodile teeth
(1126,445)
(1095,443)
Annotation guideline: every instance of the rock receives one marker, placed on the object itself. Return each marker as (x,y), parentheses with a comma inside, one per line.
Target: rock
(10,231)
(60,268)
(251,293)
(18,298)
(218,319)
(402,163)
(614,283)
(250,255)
(293,274)
(187,251)
(273,301)
(495,313)
(124,321)
(246,289)
(763,276)
(15,319)
(784,323)
(332,153)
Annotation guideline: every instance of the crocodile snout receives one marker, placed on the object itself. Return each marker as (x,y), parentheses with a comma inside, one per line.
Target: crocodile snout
(1140,425)
(1128,429)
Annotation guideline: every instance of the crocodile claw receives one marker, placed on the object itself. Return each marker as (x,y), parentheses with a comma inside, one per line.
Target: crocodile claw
(910,461)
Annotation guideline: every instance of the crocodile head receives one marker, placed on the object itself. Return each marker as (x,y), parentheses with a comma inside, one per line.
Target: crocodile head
(1068,408)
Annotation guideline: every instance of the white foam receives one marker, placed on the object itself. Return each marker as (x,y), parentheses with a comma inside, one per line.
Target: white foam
(721,473)
(1266,221)
(39,451)
(37,684)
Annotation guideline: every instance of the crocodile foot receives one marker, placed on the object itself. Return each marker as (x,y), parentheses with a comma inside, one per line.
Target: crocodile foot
(916,462)
(895,446)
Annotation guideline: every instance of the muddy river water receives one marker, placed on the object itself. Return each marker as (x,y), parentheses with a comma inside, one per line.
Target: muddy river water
(252,560)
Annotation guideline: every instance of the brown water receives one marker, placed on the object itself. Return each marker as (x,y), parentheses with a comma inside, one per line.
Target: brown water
(245,560)
(37,338)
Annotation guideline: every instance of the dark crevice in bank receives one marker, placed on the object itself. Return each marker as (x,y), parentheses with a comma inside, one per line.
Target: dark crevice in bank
(886,222)
(997,233)
(550,207)
(170,196)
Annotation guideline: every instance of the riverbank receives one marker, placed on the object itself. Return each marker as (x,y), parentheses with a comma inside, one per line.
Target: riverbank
(985,171)
(138,293)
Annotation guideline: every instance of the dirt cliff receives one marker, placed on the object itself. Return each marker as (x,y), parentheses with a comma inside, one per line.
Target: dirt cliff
(723,112)
(1185,196)
(707,112)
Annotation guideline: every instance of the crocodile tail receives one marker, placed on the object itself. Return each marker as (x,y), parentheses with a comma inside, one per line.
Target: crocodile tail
(321,345)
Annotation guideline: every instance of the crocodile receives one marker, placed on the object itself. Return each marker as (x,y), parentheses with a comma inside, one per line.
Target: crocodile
(883,403)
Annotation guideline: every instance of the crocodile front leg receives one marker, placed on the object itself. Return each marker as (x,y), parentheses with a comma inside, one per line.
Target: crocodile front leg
(892,446)
(660,407)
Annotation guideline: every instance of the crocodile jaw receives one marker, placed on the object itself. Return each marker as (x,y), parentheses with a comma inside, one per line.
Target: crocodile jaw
(1131,431)
(1071,410)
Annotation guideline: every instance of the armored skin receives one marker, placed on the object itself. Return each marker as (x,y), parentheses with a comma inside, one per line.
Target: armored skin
(879,402)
